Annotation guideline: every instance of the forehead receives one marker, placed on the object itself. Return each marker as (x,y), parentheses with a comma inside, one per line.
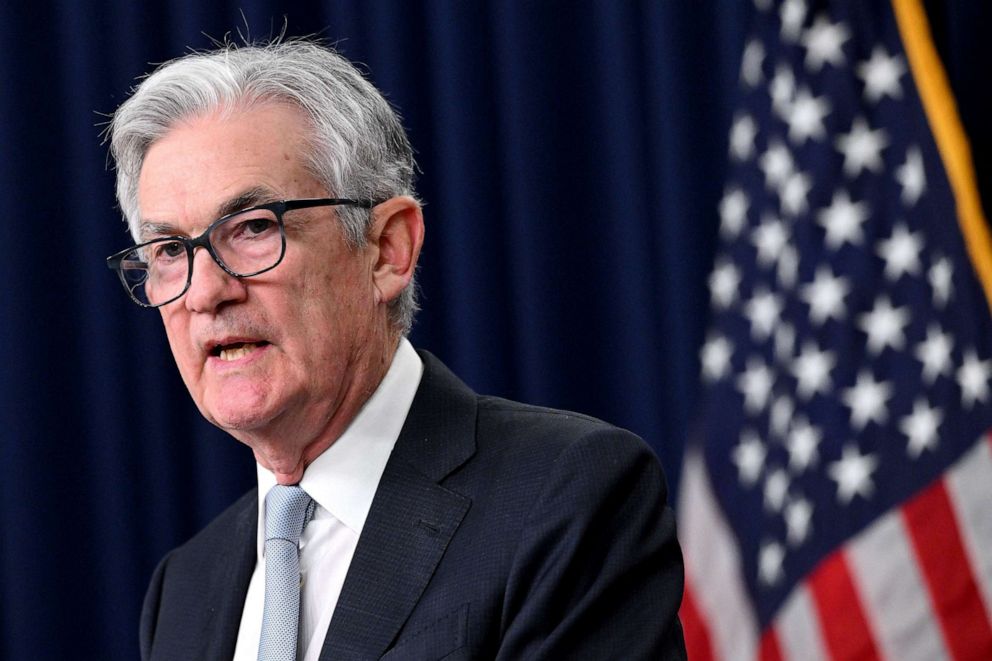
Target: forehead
(192,172)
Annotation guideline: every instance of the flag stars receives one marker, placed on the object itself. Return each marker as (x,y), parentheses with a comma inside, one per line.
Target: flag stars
(781,414)
(823,42)
(788,267)
(812,370)
(973,377)
(754,56)
(806,117)
(755,384)
(782,89)
(763,311)
(792,14)
(742,134)
(884,326)
(825,296)
(842,220)
(733,213)
(803,445)
(770,558)
(776,489)
(798,520)
(881,75)
(749,457)
(852,473)
(794,192)
(920,428)
(769,238)
(785,342)
(935,354)
(862,148)
(724,281)
(715,358)
(867,400)
(901,252)
(777,164)
(911,177)
(941,276)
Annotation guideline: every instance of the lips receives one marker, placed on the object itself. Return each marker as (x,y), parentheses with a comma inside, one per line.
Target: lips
(235,349)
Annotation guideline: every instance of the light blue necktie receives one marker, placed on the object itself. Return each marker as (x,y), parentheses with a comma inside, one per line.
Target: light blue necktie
(287,511)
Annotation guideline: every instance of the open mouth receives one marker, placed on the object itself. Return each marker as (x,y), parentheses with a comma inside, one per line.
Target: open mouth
(235,350)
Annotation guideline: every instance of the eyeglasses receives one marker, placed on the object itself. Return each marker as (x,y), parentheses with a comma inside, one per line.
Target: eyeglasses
(243,243)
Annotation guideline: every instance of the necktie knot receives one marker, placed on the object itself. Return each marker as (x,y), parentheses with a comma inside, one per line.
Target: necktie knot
(287,511)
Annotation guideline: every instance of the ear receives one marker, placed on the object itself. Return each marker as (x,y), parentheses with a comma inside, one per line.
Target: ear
(396,237)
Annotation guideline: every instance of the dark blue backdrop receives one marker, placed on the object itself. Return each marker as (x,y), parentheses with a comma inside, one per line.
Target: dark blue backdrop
(572,157)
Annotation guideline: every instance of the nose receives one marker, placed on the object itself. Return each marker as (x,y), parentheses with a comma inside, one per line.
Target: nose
(210,286)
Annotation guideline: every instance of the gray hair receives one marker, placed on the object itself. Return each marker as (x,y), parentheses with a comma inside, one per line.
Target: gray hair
(357,147)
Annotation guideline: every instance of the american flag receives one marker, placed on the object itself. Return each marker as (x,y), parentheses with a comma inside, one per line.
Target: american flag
(838,502)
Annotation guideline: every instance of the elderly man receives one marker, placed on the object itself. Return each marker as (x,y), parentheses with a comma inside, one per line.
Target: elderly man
(398,514)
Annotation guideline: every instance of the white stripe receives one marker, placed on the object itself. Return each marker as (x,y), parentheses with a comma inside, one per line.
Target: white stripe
(798,628)
(895,598)
(712,565)
(969,486)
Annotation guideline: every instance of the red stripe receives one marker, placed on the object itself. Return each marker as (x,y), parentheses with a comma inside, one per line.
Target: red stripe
(769,649)
(697,636)
(842,616)
(945,567)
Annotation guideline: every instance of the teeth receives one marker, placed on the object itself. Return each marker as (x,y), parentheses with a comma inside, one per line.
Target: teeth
(238,352)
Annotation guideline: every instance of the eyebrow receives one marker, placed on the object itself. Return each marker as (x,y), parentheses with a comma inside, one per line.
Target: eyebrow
(244,200)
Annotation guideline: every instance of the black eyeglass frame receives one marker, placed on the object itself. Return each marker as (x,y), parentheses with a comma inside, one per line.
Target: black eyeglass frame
(116,261)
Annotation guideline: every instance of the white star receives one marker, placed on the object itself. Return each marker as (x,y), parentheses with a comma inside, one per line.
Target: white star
(742,137)
(867,401)
(794,193)
(777,164)
(754,55)
(788,267)
(803,443)
(769,237)
(715,357)
(781,414)
(884,326)
(733,213)
(842,220)
(881,74)
(785,342)
(763,5)
(920,428)
(935,354)
(941,276)
(782,88)
(852,473)
(862,148)
(973,377)
(806,117)
(792,13)
(776,489)
(763,310)
(912,177)
(901,252)
(770,558)
(825,296)
(812,370)
(755,384)
(824,41)
(798,515)
(749,457)
(724,282)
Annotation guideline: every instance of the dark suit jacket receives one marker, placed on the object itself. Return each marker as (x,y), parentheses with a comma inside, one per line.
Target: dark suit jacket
(498,530)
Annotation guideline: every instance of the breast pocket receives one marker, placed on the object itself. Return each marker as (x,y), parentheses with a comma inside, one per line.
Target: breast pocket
(446,638)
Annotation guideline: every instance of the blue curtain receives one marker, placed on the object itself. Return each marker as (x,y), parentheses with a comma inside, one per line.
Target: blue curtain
(572,157)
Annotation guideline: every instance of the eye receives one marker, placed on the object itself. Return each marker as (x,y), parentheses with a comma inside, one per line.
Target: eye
(168,250)
(258,226)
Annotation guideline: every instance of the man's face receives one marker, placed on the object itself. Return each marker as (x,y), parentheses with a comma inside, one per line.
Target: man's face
(275,356)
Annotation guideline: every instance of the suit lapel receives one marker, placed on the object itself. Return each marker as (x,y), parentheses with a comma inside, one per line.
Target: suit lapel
(411,521)
(225,588)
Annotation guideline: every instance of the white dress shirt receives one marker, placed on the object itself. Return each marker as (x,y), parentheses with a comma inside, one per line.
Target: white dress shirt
(342,481)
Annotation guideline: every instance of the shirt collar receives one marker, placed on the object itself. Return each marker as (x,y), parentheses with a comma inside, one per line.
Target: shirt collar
(344,478)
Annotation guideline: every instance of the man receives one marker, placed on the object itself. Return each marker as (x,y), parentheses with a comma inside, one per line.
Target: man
(398,514)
